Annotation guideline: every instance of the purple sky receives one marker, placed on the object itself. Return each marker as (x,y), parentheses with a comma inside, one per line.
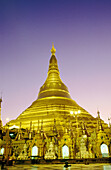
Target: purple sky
(81,32)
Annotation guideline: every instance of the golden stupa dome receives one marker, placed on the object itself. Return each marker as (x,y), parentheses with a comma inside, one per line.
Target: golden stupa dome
(53,103)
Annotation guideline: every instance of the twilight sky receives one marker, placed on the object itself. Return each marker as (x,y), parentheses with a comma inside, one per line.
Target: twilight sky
(81,32)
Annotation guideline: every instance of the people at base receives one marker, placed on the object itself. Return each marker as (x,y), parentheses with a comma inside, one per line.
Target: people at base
(66,164)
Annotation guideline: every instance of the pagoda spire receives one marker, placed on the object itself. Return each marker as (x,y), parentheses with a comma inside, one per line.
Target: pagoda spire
(53,86)
(99,122)
(53,50)
(0,113)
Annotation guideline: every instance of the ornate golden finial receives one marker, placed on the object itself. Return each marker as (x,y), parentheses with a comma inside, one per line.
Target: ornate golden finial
(53,50)
(98,113)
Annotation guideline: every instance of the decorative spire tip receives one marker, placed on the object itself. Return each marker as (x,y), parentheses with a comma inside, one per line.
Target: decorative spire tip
(53,50)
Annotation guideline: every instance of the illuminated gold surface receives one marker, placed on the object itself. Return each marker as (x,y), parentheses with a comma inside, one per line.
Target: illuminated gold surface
(54,102)
(55,117)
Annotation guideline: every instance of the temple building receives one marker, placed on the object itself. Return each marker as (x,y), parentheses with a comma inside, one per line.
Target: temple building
(55,126)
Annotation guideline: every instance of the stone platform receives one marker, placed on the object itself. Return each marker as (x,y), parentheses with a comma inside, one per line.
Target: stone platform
(59,167)
(62,161)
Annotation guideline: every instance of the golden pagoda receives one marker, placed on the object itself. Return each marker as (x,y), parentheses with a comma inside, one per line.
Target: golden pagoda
(55,126)
(54,103)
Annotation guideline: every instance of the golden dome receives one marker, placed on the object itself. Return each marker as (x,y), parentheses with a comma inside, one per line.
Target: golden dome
(53,103)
